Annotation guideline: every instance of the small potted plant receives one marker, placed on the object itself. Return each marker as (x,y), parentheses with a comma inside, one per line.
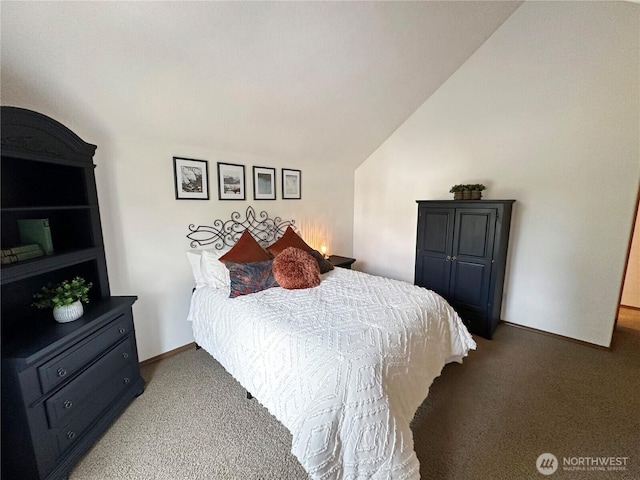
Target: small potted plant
(457,191)
(476,191)
(65,298)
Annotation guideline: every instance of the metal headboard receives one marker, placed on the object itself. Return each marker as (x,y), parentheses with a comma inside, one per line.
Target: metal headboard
(226,232)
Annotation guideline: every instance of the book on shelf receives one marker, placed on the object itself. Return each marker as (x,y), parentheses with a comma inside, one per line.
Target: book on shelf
(20,249)
(16,257)
(36,230)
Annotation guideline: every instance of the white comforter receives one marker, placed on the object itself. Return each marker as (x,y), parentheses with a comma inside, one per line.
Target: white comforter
(343,366)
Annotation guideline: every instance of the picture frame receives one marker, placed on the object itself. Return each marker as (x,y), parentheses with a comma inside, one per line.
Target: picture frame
(264,183)
(291,184)
(191,178)
(231,184)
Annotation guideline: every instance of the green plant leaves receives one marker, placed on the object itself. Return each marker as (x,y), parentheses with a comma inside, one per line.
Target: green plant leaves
(63,293)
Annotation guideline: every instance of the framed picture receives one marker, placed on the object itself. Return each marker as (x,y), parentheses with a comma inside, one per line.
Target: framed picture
(191,178)
(291,184)
(230,181)
(264,183)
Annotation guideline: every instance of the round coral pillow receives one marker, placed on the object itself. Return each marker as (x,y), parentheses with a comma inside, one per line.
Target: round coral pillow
(294,268)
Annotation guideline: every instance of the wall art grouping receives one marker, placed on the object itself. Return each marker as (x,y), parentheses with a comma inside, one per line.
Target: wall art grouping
(191,181)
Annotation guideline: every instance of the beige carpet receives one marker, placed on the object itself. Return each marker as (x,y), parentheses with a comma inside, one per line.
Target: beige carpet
(518,396)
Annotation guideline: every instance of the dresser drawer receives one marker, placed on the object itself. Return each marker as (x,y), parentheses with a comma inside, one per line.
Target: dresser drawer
(109,391)
(81,391)
(56,371)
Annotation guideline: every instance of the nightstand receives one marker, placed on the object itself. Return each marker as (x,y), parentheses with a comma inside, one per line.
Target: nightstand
(338,261)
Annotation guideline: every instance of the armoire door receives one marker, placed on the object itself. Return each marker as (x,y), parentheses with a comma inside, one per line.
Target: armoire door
(433,256)
(471,264)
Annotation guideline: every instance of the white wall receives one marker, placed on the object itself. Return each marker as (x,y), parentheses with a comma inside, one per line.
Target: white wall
(144,226)
(545,112)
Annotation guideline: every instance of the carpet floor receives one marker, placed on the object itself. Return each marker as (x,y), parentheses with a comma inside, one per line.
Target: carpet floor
(517,396)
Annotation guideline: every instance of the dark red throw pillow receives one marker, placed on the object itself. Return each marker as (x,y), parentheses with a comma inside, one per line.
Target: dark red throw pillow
(245,250)
(295,268)
(289,239)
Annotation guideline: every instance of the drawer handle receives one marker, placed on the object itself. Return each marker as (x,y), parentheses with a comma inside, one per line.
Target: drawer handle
(126,380)
(68,404)
(121,330)
(71,435)
(125,355)
(61,372)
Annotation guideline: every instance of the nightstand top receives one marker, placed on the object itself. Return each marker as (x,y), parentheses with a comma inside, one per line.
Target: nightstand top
(338,261)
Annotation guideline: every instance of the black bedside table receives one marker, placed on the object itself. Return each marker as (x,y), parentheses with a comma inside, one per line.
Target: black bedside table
(338,261)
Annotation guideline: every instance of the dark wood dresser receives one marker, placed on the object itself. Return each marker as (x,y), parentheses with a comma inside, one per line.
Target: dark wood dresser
(63,384)
(461,254)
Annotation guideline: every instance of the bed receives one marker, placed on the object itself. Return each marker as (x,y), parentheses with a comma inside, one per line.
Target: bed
(343,366)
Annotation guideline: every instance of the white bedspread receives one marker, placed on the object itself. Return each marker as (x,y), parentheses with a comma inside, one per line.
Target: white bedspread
(343,366)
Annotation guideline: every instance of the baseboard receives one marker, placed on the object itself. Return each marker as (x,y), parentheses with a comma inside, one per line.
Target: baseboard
(171,353)
(556,335)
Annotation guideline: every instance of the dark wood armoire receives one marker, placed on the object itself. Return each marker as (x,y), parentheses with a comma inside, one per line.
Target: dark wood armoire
(461,254)
(63,384)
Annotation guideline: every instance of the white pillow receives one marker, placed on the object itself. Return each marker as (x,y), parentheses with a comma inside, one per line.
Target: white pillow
(195,262)
(214,272)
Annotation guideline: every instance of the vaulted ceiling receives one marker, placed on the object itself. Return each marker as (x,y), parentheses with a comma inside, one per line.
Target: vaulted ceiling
(319,81)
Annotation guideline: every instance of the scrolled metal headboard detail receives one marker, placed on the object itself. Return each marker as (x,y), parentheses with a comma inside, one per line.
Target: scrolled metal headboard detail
(227,232)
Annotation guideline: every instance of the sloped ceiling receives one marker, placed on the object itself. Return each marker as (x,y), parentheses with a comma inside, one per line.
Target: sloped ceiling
(320,81)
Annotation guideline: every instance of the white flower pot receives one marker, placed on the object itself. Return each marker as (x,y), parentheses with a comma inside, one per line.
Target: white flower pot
(68,313)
